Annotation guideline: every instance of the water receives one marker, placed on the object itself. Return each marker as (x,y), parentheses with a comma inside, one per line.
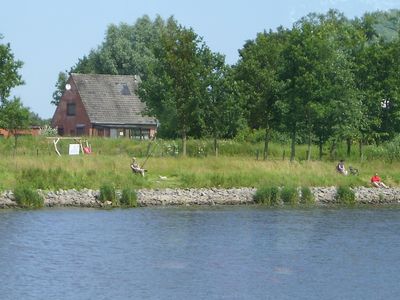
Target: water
(200,253)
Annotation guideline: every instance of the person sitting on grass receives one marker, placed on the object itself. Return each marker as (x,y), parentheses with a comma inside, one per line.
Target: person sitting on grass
(376,182)
(340,167)
(136,167)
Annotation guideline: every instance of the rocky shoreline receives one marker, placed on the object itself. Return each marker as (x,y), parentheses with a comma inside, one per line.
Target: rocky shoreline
(202,196)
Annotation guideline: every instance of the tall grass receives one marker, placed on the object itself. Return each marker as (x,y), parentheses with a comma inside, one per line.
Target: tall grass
(27,197)
(269,195)
(111,159)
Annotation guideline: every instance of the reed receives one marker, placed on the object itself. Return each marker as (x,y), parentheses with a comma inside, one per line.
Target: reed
(290,195)
(345,196)
(27,197)
(128,198)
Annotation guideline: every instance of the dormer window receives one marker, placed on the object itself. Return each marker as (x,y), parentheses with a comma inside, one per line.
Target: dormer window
(71,109)
(124,89)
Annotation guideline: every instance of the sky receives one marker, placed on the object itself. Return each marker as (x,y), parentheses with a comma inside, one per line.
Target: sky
(50,36)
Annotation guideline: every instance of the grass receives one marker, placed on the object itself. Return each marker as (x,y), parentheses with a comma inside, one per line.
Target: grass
(110,164)
(27,197)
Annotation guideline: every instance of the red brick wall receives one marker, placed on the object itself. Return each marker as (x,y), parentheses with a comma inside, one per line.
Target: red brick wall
(32,131)
(69,123)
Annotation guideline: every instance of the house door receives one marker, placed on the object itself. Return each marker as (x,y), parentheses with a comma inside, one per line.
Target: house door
(113,133)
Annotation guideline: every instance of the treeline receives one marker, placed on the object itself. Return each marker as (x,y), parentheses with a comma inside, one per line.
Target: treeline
(326,80)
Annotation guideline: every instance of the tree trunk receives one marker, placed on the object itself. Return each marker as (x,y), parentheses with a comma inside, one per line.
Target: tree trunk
(332,153)
(360,147)
(216,146)
(266,144)
(184,139)
(293,145)
(320,145)
(309,145)
(348,141)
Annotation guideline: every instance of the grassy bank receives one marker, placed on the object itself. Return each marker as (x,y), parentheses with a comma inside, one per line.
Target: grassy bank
(91,171)
(35,164)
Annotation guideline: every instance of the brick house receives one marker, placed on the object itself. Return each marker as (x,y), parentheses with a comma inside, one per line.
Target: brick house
(102,105)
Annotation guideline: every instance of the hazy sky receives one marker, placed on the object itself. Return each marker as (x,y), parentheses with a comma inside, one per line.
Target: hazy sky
(50,36)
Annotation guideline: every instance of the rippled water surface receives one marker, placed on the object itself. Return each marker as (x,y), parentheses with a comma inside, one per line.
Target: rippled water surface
(200,253)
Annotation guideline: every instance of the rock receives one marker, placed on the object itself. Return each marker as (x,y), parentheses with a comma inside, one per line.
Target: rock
(203,196)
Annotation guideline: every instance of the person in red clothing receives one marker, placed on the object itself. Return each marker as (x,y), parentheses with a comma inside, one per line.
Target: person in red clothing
(376,181)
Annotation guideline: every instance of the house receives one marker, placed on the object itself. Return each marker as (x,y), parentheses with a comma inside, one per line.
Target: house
(102,105)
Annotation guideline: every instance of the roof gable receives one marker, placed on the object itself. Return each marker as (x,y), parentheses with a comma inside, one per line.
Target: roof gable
(111,99)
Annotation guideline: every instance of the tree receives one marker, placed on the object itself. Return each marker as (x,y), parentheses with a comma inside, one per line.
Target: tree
(13,117)
(126,50)
(377,69)
(222,109)
(258,72)
(60,87)
(8,71)
(175,90)
(320,92)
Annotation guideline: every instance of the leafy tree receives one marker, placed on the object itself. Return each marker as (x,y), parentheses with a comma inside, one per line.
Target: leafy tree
(222,109)
(36,120)
(13,117)
(8,71)
(258,72)
(126,50)
(175,91)
(60,87)
(320,83)
(377,64)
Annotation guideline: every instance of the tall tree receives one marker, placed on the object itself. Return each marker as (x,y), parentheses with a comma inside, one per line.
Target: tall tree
(222,108)
(9,67)
(126,50)
(258,72)
(174,92)
(318,72)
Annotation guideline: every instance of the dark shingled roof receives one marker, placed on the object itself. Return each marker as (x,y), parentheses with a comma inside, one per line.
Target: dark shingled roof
(111,99)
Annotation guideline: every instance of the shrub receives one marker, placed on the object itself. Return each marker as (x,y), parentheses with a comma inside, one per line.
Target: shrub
(290,195)
(307,197)
(107,193)
(128,198)
(28,198)
(344,195)
(267,195)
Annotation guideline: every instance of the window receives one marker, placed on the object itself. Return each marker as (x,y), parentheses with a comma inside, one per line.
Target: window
(71,109)
(80,129)
(124,89)
(60,131)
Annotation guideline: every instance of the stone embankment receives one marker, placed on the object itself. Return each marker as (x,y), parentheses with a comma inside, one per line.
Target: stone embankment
(212,196)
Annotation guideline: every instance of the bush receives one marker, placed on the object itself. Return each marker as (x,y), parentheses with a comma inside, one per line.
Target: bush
(267,195)
(307,197)
(28,198)
(128,198)
(344,195)
(290,195)
(107,193)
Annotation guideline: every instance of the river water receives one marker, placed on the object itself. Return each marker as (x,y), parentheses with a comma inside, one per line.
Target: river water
(200,253)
